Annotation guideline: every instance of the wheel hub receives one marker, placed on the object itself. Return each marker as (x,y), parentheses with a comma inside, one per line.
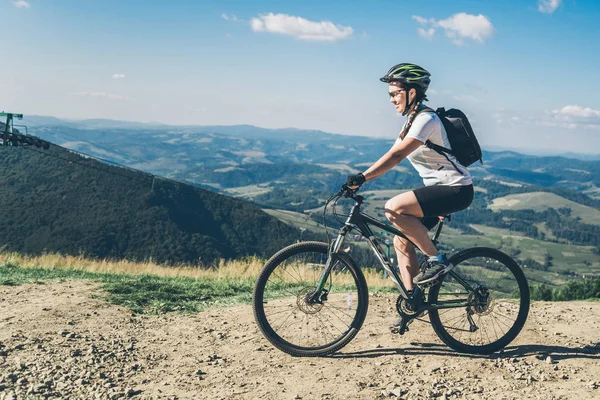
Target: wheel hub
(482,301)
(305,304)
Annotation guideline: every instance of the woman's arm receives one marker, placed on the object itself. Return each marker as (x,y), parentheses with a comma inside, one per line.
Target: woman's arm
(392,158)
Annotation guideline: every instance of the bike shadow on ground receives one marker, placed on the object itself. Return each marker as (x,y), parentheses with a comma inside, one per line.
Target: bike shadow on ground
(540,351)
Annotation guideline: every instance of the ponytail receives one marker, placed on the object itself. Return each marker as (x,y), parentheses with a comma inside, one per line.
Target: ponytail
(411,119)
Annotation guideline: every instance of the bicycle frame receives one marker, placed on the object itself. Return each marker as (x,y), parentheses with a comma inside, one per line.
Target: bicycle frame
(361,221)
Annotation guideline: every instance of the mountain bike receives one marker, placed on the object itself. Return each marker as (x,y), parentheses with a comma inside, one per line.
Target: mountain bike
(311,298)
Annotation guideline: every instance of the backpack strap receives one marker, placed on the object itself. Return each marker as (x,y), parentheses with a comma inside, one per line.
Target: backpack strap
(441,149)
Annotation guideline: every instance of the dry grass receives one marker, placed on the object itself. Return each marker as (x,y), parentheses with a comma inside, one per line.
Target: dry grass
(226,269)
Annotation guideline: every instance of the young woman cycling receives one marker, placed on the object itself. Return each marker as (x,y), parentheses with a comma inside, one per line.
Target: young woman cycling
(448,185)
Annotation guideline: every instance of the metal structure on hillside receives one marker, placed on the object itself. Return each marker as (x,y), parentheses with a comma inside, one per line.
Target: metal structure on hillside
(9,120)
(10,138)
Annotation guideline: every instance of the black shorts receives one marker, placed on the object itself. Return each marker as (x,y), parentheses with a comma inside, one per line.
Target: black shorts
(442,200)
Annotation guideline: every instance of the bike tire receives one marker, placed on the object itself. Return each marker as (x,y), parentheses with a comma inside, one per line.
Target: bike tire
(498,309)
(309,346)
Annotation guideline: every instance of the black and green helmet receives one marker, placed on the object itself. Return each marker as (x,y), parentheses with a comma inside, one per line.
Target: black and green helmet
(410,74)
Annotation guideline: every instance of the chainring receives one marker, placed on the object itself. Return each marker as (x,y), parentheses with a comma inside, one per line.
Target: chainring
(404,308)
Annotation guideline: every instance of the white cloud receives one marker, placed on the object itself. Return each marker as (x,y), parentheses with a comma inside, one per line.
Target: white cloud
(548,6)
(118,76)
(421,20)
(426,34)
(300,28)
(111,96)
(231,17)
(571,117)
(458,27)
(21,4)
(576,112)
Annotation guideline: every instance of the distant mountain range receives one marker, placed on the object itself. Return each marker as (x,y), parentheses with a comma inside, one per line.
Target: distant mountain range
(253,132)
(228,157)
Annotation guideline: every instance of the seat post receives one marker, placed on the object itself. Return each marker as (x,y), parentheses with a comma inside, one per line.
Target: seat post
(438,230)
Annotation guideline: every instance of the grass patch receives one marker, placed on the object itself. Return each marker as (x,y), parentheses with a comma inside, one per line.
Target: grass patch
(144,293)
(156,295)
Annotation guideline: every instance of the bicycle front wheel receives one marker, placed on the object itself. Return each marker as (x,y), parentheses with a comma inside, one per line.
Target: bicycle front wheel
(494,302)
(301,327)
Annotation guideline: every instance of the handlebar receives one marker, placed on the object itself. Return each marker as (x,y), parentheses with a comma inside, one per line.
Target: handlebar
(348,193)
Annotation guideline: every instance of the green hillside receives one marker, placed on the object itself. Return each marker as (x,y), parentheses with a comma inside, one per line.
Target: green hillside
(56,201)
(541,201)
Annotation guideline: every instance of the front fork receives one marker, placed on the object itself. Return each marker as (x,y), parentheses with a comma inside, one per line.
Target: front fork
(318,296)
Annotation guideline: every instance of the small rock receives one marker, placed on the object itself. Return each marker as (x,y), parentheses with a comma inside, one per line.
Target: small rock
(397,392)
(549,360)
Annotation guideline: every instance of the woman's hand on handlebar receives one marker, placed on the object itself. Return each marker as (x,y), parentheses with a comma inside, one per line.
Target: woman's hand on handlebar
(355,181)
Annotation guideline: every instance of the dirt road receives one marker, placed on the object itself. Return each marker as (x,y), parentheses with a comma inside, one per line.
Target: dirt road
(61,340)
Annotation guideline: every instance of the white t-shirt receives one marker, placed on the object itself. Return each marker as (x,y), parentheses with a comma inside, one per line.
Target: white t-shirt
(433,167)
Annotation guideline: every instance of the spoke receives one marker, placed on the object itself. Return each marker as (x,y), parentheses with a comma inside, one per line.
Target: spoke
(322,331)
(493,327)
(494,319)
(335,315)
(341,309)
(278,312)
(483,327)
(459,316)
(503,323)
(267,305)
(280,318)
(331,323)
(285,269)
(284,321)
(325,326)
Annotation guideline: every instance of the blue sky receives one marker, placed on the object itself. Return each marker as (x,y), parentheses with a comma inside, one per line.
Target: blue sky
(523,71)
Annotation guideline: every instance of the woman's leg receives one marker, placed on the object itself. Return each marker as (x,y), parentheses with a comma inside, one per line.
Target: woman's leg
(407,261)
(404,212)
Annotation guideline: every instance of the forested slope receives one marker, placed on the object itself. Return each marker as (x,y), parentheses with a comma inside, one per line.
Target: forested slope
(57,201)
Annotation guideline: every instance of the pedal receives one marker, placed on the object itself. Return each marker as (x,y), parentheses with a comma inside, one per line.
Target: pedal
(428,284)
(403,328)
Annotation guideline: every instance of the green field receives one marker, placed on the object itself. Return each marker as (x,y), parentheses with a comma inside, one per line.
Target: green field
(540,201)
(344,168)
(565,257)
(250,190)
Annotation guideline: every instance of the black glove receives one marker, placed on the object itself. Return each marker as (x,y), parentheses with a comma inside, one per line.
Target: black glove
(356,180)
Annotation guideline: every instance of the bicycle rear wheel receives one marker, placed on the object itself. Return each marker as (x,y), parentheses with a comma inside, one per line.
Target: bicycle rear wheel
(300,327)
(495,309)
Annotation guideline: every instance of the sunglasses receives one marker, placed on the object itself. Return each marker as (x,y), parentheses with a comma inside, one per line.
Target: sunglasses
(396,93)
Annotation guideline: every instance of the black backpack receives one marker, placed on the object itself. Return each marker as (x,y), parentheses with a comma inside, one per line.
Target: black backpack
(460,134)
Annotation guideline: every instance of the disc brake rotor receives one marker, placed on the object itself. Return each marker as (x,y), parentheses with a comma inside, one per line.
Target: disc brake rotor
(482,301)
(304,304)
